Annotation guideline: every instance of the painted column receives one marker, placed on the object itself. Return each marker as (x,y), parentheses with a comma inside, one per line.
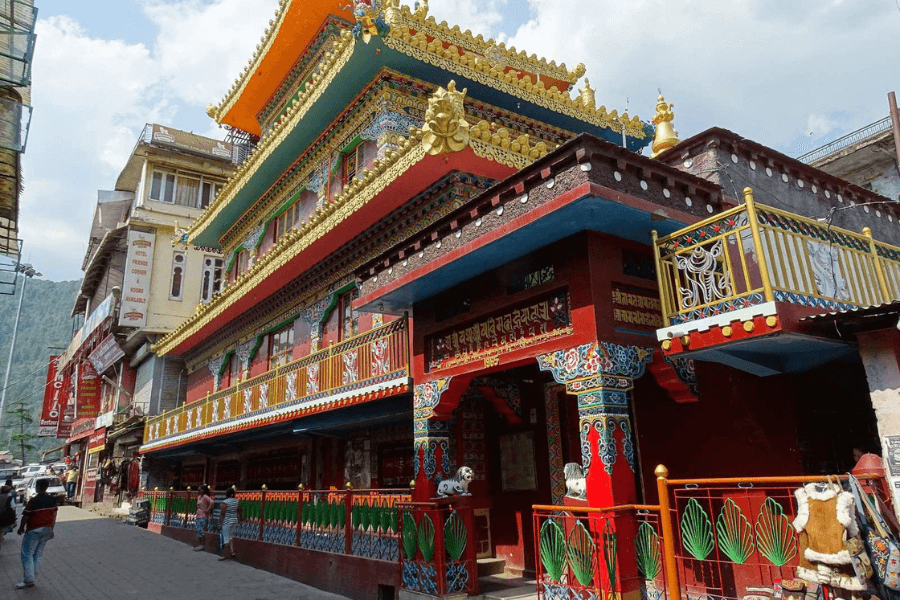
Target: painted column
(601,375)
(431,439)
(880,353)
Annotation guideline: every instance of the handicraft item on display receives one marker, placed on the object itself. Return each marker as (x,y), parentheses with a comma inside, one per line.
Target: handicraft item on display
(486,340)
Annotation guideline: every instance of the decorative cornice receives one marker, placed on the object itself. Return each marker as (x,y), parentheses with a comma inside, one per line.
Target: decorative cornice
(336,58)
(499,146)
(407,36)
(497,53)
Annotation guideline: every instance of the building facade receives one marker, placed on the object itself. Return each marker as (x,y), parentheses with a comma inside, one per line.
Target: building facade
(448,270)
(141,281)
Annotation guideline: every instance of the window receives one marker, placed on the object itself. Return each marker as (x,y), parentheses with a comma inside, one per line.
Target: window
(212,277)
(208,193)
(183,189)
(177,276)
(349,318)
(287,220)
(353,163)
(162,187)
(281,345)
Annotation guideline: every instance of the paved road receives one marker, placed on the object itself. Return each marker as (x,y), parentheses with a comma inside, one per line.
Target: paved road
(94,558)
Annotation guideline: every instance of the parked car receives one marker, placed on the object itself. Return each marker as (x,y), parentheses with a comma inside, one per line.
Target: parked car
(10,473)
(56,488)
(26,473)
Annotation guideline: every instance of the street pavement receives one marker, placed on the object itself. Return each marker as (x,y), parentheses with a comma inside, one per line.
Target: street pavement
(96,558)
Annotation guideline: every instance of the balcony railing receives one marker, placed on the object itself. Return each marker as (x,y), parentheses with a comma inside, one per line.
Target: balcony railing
(848,140)
(362,364)
(753,254)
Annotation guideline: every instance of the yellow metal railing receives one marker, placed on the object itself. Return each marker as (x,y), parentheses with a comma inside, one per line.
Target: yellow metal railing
(381,354)
(754,253)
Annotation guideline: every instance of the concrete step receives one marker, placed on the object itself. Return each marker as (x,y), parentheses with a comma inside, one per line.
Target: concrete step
(491,566)
(525,592)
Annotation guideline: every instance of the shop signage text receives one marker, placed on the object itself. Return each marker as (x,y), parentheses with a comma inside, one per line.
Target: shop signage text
(106,354)
(88,393)
(136,288)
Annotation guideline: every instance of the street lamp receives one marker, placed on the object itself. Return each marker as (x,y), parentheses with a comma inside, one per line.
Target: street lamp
(27,272)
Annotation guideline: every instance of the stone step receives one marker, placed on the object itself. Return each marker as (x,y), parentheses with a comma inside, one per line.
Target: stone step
(525,592)
(491,566)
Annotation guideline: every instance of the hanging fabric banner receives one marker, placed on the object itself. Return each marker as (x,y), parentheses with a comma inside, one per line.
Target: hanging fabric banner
(53,400)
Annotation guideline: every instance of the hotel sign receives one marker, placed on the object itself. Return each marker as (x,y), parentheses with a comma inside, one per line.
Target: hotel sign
(486,340)
(136,288)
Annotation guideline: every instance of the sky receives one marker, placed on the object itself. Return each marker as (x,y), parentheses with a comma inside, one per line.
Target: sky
(791,74)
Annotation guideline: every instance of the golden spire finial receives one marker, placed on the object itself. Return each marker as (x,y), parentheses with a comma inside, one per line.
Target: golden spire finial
(665,136)
(586,95)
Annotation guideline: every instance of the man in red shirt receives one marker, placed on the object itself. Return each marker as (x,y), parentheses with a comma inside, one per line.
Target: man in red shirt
(38,520)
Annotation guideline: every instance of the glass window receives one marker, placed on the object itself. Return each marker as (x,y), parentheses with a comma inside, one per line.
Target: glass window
(177,276)
(281,345)
(208,193)
(353,162)
(212,277)
(187,193)
(162,187)
(349,318)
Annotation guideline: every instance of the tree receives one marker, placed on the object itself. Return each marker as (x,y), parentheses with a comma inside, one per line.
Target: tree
(20,411)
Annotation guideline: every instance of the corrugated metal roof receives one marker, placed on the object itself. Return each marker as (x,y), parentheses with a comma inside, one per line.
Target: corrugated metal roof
(877,310)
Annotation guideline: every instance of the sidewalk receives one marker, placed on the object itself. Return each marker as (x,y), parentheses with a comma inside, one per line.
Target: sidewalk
(93,558)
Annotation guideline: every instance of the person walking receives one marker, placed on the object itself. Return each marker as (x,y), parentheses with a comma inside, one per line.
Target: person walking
(71,482)
(7,509)
(15,502)
(204,508)
(230,515)
(38,520)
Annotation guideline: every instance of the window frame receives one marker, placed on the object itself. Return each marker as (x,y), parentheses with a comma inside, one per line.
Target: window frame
(281,346)
(215,282)
(174,175)
(354,158)
(179,270)
(347,315)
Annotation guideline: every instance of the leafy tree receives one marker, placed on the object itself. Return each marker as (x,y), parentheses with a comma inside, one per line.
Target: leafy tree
(19,414)
(45,322)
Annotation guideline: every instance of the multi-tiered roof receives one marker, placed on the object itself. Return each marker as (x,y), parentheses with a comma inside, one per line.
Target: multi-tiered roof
(324,75)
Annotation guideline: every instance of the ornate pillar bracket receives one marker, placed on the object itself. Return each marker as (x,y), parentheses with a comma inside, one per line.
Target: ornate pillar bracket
(251,242)
(244,351)
(215,367)
(600,374)
(431,435)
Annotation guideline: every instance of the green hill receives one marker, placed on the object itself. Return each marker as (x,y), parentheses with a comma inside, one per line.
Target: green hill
(44,322)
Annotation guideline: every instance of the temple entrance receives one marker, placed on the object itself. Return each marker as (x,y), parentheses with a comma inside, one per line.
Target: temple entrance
(508,429)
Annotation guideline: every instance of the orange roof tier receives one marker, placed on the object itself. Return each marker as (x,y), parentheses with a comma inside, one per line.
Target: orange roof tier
(294,27)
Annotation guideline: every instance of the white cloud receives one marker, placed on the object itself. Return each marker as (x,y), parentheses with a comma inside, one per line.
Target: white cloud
(759,68)
(770,70)
(92,97)
(202,47)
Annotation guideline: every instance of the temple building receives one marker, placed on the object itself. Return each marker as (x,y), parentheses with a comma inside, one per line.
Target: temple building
(448,271)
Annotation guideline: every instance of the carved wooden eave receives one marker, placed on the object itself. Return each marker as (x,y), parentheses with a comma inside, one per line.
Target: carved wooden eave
(511,151)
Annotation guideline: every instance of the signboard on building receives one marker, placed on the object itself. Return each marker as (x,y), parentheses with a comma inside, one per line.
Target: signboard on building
(516,328)
(87,393)
(82,427)
(54,392)
(136,288)
(193,143)
(97,441)
(94,320)
(106,354)
(636,309)
(67,419)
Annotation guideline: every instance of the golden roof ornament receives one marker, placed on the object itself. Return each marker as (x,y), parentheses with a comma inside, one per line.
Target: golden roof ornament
(446,129)
(665,136)
(586,96)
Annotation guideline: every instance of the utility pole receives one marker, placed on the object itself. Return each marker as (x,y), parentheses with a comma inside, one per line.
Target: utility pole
(27,272)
